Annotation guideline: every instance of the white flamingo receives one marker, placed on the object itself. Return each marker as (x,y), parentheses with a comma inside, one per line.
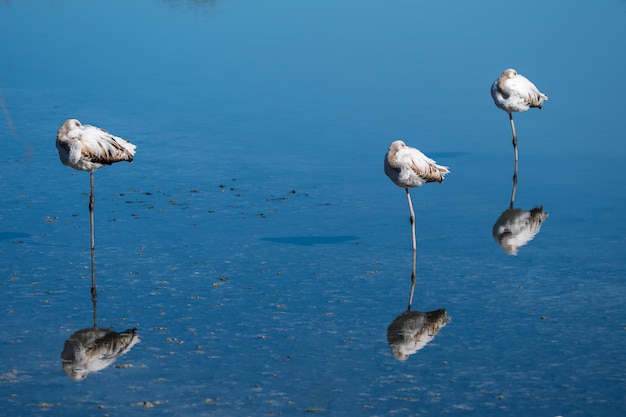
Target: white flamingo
(407,167)
(513,92)
(87,148)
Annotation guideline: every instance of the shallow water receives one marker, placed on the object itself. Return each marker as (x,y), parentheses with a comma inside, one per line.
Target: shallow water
(255,242)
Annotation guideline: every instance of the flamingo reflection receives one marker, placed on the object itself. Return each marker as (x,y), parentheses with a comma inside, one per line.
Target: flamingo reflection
(516,227)
(92,349)
(412,330)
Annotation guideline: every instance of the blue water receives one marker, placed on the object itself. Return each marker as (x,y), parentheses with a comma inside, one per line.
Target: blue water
(255,242)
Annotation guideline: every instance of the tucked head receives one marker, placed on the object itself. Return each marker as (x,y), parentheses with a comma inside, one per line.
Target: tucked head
(508,73)
(69,125)
(72,123)
(396,146)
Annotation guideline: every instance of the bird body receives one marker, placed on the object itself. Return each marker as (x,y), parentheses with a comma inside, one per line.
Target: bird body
(87,148)
(513,92)
(408,167)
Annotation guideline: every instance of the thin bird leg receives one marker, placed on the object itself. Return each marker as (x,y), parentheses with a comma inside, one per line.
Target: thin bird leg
(408,197)
(412,280)
(514,135)
(514,185)
(95,308)
(94,293)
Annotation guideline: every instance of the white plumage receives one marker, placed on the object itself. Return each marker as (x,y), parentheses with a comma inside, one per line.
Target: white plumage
(87,148)
(513,92)
(407,167)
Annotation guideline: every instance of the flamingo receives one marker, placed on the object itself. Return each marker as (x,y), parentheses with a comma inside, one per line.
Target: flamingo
(513,92)
(407,167)
(87,148)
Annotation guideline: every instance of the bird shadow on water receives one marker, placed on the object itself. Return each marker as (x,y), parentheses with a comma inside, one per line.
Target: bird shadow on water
(412,330)
(93,348)
(516,227)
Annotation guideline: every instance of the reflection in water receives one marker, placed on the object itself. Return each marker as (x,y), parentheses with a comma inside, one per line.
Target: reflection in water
(412,330)
(516,227)
(92,349)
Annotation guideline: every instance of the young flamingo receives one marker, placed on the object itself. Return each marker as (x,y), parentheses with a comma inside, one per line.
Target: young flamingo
(513,92)
(87,148)
(407,167)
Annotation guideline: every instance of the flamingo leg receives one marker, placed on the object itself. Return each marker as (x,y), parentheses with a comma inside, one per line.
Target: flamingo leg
(514,136)
(94,301)
(514,190)
(412,280)
(94,293)
(408,197)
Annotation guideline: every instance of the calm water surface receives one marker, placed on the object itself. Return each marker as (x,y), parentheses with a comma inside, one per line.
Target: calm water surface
(255,243)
